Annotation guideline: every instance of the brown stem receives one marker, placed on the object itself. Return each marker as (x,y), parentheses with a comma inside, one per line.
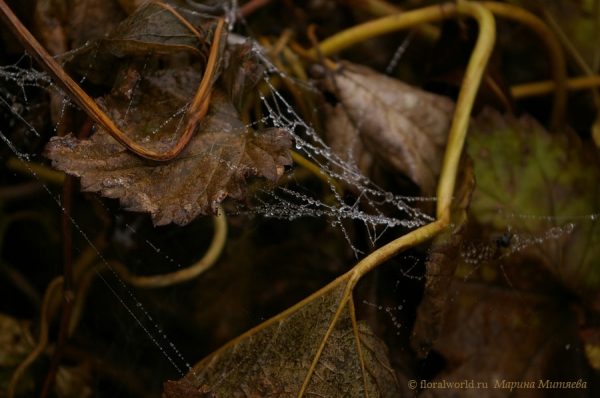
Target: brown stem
(68,285)
(252,6)
(80,97)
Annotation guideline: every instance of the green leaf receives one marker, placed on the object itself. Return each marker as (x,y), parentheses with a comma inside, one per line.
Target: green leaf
(542,188)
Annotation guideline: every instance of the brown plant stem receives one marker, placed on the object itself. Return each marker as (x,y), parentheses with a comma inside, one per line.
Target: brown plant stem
(195,113)
(68,296)
(252,6)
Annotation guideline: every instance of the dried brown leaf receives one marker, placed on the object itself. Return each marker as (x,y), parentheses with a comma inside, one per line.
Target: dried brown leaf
(152,29)
(493,335)
(274,359)
(241,73)
(219,159)
(185,389)
(149,106)
(404,127)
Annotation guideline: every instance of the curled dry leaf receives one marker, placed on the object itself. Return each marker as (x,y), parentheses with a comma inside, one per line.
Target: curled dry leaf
(404,128)
(275,358)
(149,105)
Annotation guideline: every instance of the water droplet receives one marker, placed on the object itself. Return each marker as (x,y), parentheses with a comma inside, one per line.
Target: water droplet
(555,232)
(568,228)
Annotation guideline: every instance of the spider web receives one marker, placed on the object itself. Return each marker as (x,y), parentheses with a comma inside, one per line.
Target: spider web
(287,202)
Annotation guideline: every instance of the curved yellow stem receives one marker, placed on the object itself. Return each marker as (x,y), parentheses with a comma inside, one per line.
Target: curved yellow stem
(208,260)
(378,27)
(458,130)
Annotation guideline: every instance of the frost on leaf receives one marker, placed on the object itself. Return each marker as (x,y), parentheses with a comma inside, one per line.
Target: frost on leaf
(401,127)
(275,358)
(148,103)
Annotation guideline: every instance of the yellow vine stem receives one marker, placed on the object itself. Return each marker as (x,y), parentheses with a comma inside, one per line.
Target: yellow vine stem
(208,260)
(458,130)
(541,88)
(55,285)
(402,21)
(557,58)
(381,8)
(196,111)
(378,27)
(42,172)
